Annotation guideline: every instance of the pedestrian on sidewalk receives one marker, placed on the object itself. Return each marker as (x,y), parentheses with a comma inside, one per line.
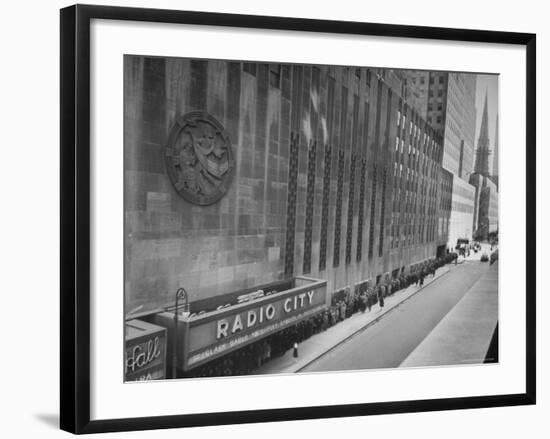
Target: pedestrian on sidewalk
(381,297)
(363,301)
(295,351)
(369,298)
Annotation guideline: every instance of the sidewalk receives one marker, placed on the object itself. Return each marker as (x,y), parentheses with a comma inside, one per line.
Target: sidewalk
(463,336)
(485,248)
(319,344)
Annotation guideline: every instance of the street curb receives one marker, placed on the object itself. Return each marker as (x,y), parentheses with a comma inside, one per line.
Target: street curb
(362,328)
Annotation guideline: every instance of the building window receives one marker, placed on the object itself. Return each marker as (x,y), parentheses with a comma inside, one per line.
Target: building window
(249,67)
(440,93)
(441,80)
(306,268)
(422,80)
(338,220)
(372,206)
(361,211)
(324,217)
(275,75)
(382,214)
(351,199)
(291,203)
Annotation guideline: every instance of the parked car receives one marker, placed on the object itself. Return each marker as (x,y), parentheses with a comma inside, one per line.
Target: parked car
(484,257)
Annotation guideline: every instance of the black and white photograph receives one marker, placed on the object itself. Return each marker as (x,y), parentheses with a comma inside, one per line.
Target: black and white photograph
(267,220)
(298,218)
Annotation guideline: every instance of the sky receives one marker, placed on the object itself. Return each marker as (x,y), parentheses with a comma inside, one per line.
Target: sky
(487,84)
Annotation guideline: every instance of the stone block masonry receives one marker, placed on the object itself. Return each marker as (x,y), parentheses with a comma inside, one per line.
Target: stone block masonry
(303,197)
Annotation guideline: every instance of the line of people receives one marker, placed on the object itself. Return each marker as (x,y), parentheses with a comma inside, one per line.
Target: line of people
(245,360)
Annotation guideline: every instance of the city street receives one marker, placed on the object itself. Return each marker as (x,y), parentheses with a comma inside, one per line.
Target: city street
(390,341)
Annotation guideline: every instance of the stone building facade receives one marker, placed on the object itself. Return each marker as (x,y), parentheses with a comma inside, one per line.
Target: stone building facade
(462,212)
(445,209)
(485,218)
(448,100)
(323,171)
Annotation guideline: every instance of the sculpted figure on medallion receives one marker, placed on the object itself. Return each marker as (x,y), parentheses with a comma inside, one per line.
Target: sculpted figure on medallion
(199,158)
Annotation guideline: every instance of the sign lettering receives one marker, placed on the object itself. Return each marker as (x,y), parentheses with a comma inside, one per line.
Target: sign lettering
(141,355)
(264,313)
(145,352)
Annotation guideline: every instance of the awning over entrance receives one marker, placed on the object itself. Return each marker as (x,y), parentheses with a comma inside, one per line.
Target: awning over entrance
(202,338)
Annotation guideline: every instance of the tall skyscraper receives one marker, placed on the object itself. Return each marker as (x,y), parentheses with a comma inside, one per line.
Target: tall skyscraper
(483,151)
(448,101)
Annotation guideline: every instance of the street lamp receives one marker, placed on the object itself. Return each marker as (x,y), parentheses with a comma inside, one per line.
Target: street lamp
(180,294)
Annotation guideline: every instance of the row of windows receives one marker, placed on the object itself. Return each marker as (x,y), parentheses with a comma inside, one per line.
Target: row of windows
(463,192)
(439,93)
(462,207)
(427,144)
(415,185)
(417,161)
(422,79)
(274,72)
(432,107)
(412,233)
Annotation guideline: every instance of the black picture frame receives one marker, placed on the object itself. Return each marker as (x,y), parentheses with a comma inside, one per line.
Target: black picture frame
(75,217)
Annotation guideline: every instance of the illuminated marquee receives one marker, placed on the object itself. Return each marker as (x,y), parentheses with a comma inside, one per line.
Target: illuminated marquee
(211,335)
(145,351)
(235,323)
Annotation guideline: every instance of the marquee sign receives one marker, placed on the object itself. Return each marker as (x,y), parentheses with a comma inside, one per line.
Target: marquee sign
(214,334)
(145,351)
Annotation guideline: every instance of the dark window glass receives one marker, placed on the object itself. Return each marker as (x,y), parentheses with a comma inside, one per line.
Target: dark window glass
(249,67)
(309,207)
(338,220)
(291,203)
(275,75)
(324,217)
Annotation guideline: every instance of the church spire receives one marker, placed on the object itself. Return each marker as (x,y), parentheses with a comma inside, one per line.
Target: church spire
(482,152)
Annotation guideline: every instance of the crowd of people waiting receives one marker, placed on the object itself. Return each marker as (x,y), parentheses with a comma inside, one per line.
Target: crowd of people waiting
(344,304)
